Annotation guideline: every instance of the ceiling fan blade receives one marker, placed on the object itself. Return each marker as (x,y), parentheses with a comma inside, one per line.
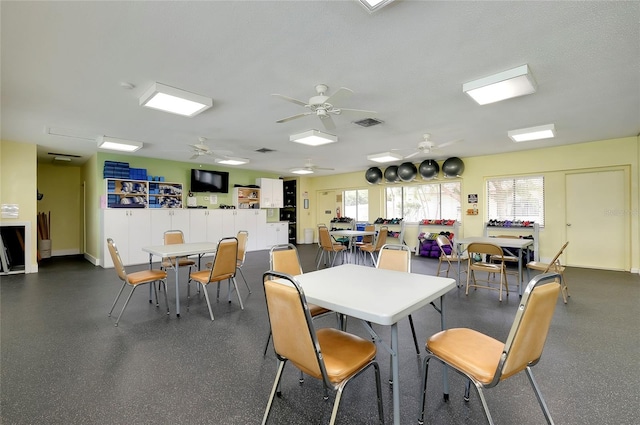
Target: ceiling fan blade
(357,111)
(200,148)
(328,123)
(449,143)
(290,99)
(293,117)
(411,155)
(194,156)
(341,94)
(323,168)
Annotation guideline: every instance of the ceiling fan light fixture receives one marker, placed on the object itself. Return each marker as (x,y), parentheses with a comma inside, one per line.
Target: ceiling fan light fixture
(173,100)
(385,157)
(230,160)
(301,171)
(546,131)
(501,86)
(121,145)
(313,138)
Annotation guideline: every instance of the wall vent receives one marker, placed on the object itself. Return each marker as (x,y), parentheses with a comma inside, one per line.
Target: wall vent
(368,122)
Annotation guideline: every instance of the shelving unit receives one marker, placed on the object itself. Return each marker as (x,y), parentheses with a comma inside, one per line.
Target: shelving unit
(128,193)
(246,197)
(529,230)
(397,229)
(288,212)
(429,247)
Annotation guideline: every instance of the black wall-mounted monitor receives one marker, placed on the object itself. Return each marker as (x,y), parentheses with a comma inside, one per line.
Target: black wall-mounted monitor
(209,181)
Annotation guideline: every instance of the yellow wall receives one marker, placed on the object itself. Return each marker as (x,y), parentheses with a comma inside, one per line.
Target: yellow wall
(553,163)
(92,185)
(18,186)
(62,189)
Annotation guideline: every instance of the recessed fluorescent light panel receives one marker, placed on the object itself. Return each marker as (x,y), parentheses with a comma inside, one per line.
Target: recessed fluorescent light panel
(373,5)
(301,171)
(533,133)
(175,101)
(232,161)
(313,138)
(504,85)
(385,157)
(121,145)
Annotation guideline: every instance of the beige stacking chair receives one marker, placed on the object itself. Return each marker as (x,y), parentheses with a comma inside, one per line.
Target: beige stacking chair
(330,355)
(223,268)
(450,259)
(486,361)
(329,247)
(373,248)
(134,279)
(553,266)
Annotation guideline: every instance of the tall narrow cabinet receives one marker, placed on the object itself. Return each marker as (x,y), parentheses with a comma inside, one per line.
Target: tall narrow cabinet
(288,212)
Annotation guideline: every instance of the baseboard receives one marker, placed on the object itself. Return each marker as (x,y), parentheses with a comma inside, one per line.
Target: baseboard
(64,252)
(635,271)
(91,259)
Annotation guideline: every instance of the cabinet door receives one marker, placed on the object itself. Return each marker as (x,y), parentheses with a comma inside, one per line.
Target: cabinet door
(215,225)
(282,233)
(160,223)
(266,195)
(180,220)
(277,193)
(139,235)
(228,223)
(258,240)
(198,225)
(115,225)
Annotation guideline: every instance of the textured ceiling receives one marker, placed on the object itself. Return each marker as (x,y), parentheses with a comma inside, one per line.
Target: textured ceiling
(63,64)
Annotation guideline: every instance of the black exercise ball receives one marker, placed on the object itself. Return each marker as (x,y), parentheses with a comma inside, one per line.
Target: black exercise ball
(407,171)
(453,167)
(391,174)
(373,175)
(429,169)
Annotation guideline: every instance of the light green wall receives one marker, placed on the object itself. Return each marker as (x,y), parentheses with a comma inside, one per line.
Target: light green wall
(61,186)
(553,163)
(18,180)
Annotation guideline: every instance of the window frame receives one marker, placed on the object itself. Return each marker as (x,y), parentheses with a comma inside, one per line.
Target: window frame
(518,206)
(439,214)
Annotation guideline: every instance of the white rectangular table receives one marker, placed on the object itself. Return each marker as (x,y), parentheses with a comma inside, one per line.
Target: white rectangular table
(521,243)
(180,250)
(379,296)
(352,235)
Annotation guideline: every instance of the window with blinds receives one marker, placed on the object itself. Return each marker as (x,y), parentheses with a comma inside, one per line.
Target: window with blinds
(416,202)
(519,198)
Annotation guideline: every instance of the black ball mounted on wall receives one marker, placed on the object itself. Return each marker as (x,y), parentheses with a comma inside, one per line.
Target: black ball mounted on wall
(429,169)
(391,174)
(407,171)
(373,175)
(453,167)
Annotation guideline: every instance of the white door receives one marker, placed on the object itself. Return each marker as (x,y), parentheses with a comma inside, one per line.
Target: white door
(139,235)
(597,225)
(198,226)
(214,225)
(160,223)
(115,225)
(180,221)
(325,209)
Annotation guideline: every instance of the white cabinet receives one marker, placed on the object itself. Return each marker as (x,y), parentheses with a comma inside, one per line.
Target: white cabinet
(246,198)
(271,193)
(277,234)
(205,225)
(253,221)
(169,219)
(130,229)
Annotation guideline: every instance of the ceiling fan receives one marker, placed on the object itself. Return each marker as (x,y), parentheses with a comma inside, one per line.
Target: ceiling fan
(201,148)
(427,146)
(308,168)
(324,106)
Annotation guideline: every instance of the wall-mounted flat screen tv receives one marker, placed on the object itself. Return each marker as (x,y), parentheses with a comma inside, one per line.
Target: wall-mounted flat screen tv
(209,181)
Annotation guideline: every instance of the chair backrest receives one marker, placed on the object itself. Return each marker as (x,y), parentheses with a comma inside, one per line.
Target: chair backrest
(394,257)
(381,239)
(553,262)
(484,248)
(443,241)
(243,238)
(530,327)
(172,237)
(285,259)
(368,238)
(325,238)
(117,261)
(225,261)
(293,333)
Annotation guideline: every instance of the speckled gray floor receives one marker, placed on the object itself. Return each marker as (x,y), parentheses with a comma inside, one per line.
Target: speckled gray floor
(63,362)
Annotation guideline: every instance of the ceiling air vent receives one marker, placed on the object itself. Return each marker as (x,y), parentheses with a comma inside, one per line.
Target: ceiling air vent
(265,150)
(368,122)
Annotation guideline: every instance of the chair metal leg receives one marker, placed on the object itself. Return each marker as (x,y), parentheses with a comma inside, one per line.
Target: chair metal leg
(276,383)
(413,332)
(117,297)
(125,305)
(485,407)
(243,278)
(266,346)
(206,295)
(541,401)
(425,372)
(237,292)
(166,299)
